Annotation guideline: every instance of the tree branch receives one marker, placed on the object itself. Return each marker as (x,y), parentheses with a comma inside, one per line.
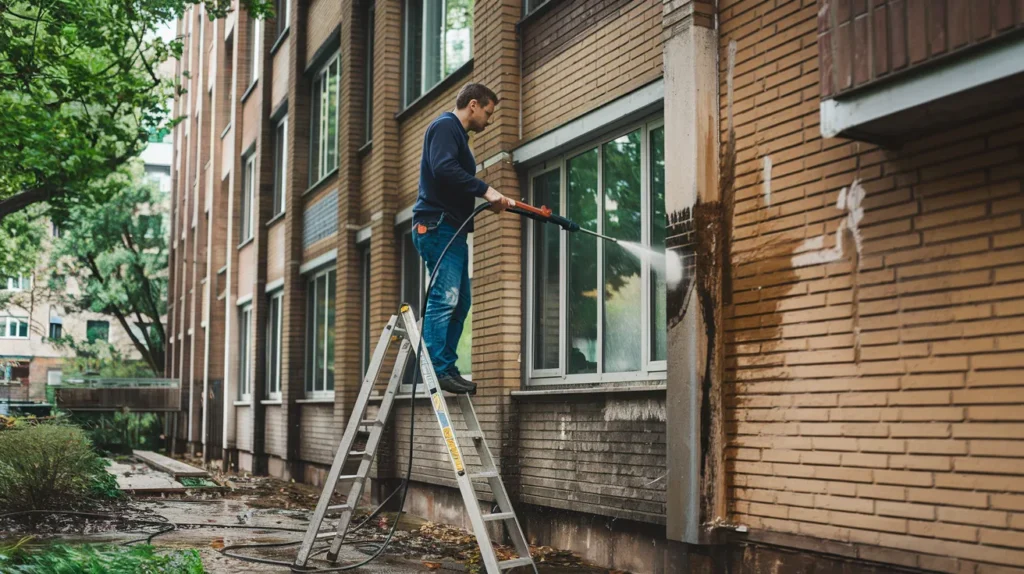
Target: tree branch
(24,199)
(143,350)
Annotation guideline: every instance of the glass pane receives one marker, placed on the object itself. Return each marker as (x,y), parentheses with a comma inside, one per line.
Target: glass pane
(314,138)
(23,330)
(368,105)
(465,348)
(318,336)
(622,280)
(581,207)
(547,262)
(310,335)
(280,157)
(412,290)
(458,34)
(330,329)
(243,352)
(332,116)
(432,40)
(365,266)
(413,43)
(659,317)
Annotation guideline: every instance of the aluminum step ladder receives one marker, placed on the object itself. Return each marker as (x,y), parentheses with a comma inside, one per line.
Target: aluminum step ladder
(403,327)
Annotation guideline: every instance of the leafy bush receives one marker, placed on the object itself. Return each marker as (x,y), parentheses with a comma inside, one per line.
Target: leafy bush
(50,466)
(89,559)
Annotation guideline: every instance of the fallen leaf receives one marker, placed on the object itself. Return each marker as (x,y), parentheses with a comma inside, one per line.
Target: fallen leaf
(432,565)
(217,543)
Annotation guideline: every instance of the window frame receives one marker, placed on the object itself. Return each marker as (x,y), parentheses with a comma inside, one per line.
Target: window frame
(273,382)
(97,322)
(19,283)
(407,48)
(309,383)
(283,23)
(650,370)
(246,231)
(364,306)
(60,331)
(319,141)
(369,18)
(7,320)
(244,352)
(255,27)
(280,165)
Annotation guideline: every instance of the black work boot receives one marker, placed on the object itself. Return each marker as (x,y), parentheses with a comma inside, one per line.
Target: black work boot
(454,383)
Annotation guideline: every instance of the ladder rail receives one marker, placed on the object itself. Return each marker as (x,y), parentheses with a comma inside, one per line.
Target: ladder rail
(347,440)
(356,490)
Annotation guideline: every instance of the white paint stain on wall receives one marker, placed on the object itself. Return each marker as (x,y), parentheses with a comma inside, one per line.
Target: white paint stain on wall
(812,251)
(634,410)
(767,180)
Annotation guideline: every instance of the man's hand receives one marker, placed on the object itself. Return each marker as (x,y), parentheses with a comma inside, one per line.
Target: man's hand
(498,201)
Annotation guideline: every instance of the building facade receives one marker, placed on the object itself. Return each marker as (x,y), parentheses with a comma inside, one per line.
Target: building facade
(836,377)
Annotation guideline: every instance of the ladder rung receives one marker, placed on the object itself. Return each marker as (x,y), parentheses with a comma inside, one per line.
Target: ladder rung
(475,435)
(339,507)
(349,477)
(506,564)
(499,516)
(323,535)
(370,423)
(357,453)
(484,474)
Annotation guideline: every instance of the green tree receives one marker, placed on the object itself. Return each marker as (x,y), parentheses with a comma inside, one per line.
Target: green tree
(79,93)
(21,243)
(116,254)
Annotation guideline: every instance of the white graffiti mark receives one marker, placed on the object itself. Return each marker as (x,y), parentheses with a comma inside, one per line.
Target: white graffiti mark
(811,252)
(767,177)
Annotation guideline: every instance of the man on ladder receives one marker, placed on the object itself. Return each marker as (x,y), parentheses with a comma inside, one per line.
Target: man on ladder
(447,194)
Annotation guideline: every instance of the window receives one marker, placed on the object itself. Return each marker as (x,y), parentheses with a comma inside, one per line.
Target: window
(280,164)
(324,155)
(152,226)
(13,328)
(596,311)
(54,377)
(248,196)
(320,334)
(274,346)
(19,283)
(371,11)
(56,330)
(531,5)
(283,12)
(159,176)
(254,61)
(97,331)
(438,40)
(244,343)
(364,267)
(54,229)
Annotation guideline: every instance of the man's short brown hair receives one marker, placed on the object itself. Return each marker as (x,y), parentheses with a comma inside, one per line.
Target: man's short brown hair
(479,92)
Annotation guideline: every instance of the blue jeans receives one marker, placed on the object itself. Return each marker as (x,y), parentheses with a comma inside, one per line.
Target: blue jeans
(449,300)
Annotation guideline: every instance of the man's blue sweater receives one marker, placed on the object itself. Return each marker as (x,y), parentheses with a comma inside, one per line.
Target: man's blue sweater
(448,183)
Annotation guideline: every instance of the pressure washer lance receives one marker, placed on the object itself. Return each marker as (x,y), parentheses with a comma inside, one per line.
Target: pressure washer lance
(544,215)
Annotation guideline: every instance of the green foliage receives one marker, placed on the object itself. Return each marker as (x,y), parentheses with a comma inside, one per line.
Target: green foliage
(61,559)
(21,241)
(121,432)
(79,92)
(50,466)
(117,254)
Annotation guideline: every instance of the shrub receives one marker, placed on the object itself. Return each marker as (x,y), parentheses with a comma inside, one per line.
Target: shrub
(89,559)
(49,467)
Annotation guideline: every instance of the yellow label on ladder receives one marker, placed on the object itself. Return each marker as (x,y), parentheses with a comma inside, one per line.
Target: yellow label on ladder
(453,449)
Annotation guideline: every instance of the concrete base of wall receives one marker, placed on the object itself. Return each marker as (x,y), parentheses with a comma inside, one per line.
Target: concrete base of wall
(244,461)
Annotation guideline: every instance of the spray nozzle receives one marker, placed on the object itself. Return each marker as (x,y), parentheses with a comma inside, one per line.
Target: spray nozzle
(544,214)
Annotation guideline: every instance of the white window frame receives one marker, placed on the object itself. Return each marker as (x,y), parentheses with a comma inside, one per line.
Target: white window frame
(650,370)
(245,352)
(424,39)
(364,307)
(280,169)
(287,18)
(274,375)
(314,393)
(19,283)
(248,197)
(256,42)
(16,321)
(321,146)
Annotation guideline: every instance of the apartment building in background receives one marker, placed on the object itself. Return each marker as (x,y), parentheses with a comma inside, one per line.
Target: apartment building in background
(836,383)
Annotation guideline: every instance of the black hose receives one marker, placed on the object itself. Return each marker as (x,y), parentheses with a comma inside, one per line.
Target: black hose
(412,435)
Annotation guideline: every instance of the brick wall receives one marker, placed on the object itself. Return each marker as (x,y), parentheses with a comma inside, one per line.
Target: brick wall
(582,55)
(411,142)
(324,17)
(874,374)
(863,41)
(243,428)
(275,431)
(318,440)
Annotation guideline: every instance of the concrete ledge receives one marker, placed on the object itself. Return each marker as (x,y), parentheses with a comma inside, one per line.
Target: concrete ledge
(175,468)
